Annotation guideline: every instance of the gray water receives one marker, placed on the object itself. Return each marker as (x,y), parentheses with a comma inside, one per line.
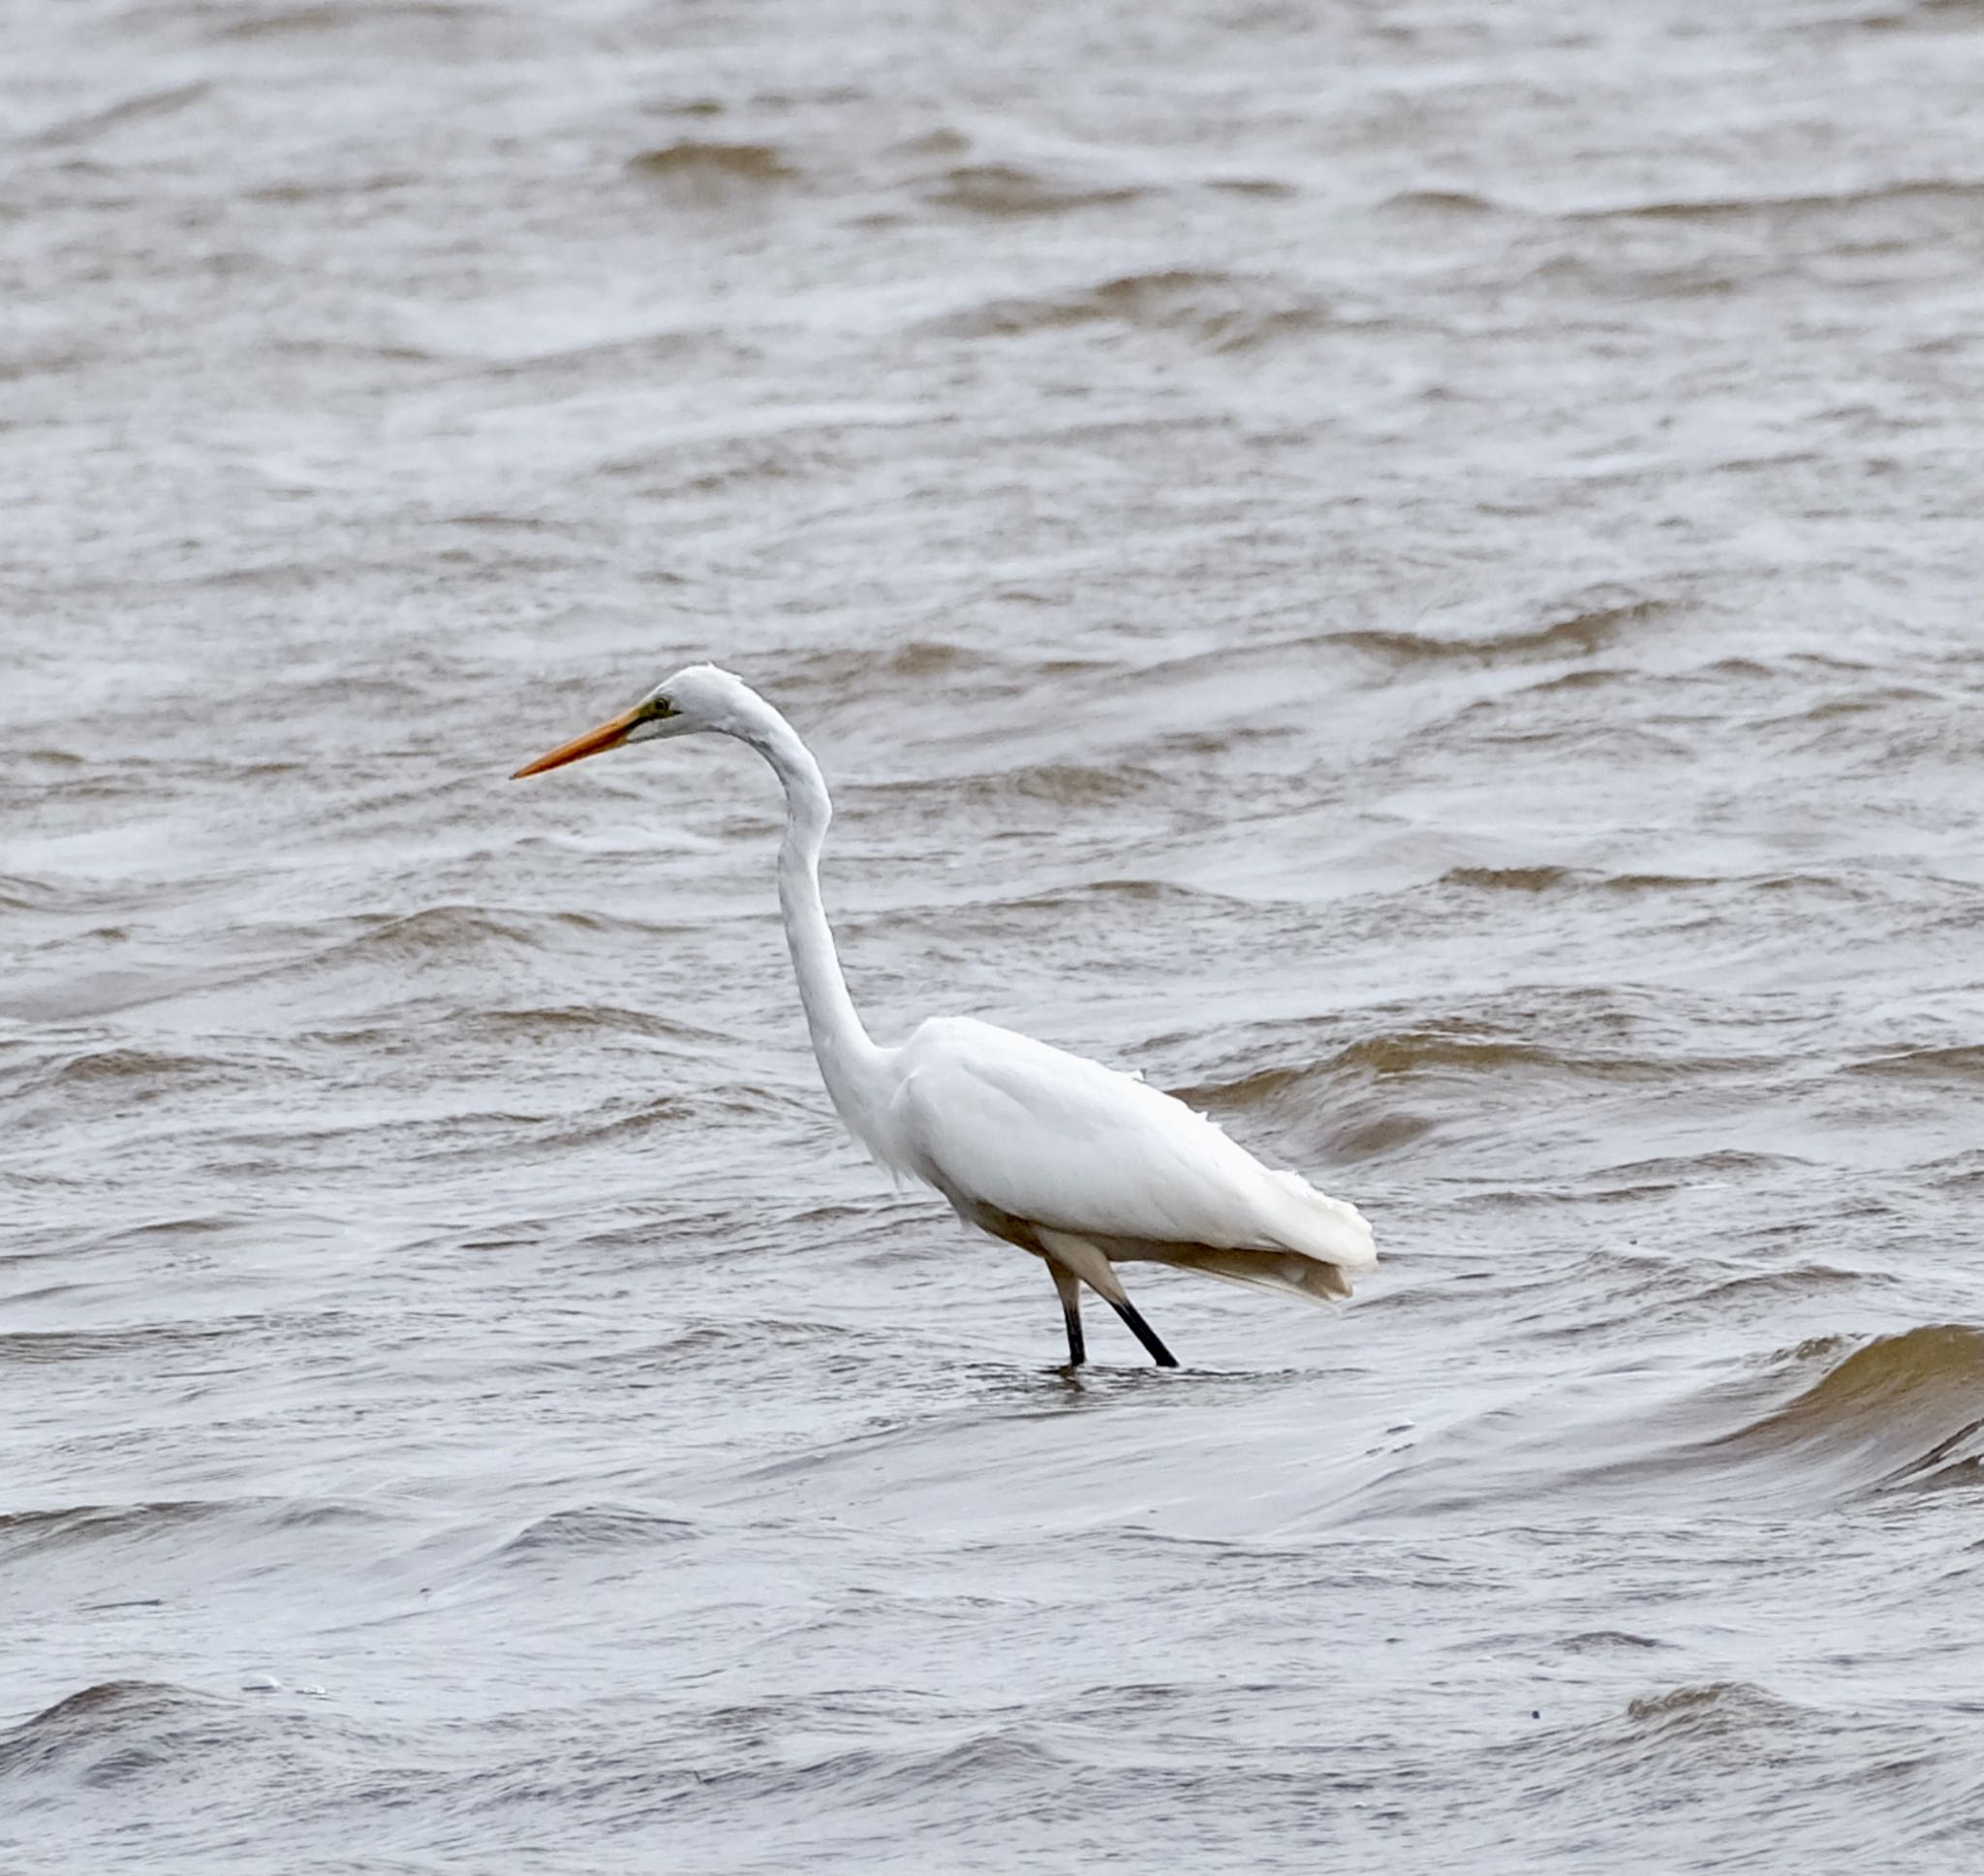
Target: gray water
(1411,571)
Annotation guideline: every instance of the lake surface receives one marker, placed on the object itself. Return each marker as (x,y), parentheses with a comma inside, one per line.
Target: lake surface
(1411,571)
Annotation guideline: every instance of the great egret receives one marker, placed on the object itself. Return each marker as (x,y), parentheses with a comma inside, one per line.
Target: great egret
(1084,1167)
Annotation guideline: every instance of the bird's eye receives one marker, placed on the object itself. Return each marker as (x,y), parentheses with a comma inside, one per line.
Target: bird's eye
(660,707)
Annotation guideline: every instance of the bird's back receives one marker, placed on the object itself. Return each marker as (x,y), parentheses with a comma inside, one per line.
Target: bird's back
(996,1120)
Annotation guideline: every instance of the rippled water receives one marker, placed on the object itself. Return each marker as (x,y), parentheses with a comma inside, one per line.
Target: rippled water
(1411,571)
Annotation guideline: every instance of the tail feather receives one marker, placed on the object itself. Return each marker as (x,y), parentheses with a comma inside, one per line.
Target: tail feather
(1288,1272)
(1308,1244)
(1317,1225)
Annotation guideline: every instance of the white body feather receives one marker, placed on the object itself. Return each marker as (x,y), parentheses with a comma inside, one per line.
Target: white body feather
(1056,1140)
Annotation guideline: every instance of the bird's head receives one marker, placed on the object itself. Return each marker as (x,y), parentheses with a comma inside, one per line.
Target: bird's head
(698,697)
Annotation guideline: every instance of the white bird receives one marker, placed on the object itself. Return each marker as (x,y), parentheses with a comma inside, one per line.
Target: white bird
(1083,1166)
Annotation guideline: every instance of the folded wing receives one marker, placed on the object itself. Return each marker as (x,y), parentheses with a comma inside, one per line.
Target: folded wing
(1001,1121)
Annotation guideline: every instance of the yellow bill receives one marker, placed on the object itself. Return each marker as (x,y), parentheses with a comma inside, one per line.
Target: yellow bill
(609,735)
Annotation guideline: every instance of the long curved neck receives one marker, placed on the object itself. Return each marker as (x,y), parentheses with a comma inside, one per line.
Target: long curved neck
(850,1063)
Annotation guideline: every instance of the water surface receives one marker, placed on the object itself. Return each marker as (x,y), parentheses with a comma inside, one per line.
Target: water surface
(1409,570)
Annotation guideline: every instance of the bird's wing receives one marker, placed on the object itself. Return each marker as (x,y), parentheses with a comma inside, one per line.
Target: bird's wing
(1002,1120)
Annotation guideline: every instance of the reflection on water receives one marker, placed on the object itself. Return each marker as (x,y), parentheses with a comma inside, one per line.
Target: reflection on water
(1410,574)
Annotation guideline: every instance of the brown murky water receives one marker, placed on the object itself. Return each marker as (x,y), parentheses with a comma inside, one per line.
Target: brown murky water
(1410,570)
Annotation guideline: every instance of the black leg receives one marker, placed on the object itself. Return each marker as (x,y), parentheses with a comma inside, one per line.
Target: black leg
(1069,1290)
(1145,1333)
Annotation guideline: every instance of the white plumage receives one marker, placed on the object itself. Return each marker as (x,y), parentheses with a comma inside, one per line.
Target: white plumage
(1082,1165)
(1064,1142)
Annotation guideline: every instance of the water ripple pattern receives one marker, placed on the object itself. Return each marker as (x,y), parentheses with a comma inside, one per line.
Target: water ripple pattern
(1411,571)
